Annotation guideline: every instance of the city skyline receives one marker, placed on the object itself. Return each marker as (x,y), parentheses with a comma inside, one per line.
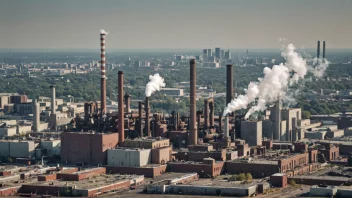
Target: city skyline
(174,24)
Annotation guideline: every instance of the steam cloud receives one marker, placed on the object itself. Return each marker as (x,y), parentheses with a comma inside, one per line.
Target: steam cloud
(276,82)
(155,83)
(103,31)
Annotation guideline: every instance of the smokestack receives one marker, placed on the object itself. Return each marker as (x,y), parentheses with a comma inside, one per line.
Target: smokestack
(229,83)
(53,99)
(128,103)
(226,127)
(103,77)
(177,120)
(211,114)
(206,114)
(193,136)
(52,122)
(318,49)
(323,49)
(36,115)
(140,112)
(146,106)
(277,121)
(121,115)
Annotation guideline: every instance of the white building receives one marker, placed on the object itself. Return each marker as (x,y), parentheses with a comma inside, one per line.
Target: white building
(172,91)
(129,157)
(15,148)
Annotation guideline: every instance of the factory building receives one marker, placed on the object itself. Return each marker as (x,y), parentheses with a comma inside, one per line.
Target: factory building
(172,92)
(51,147)
(251,132)
(128,157)
(86,147)
(17,149)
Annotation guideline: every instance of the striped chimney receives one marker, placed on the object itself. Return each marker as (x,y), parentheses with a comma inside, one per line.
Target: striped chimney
(103,76)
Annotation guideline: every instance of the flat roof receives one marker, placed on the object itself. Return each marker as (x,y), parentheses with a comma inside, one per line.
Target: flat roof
(146,139)
(96,182)
(222,183)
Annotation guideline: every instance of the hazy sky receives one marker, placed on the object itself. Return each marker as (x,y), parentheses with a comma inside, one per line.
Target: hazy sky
(174,24)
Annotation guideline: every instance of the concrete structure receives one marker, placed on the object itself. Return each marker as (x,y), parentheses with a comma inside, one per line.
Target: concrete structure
(147,121)
(207,168)
(325,191)
(17,149)
(85,147)
(8,131)
(275,117)
(262,167)
(172,91)
(23,129)
(251,132)
(195,189)
(36,116)
(217,52)
(193,136)
(292,116)
(147,143)
(152,170)
(53,99)
(103,77)
(121,117)
(128,157)
(279,180)
(4,100)
(229,83)
(53,117)
(51,147)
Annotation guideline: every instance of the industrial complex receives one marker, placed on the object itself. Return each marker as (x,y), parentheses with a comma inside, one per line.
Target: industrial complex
(53,147)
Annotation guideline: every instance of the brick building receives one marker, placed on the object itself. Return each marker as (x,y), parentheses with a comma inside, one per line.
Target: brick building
(207,168)
(87,148)
(264,167)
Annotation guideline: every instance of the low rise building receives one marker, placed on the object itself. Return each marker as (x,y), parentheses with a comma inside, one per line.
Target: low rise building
(17,149)
(128,157)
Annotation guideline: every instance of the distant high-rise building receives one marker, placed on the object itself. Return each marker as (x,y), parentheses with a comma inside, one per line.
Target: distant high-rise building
(205,53)
(227,54)
(178,57)
(318,49)
(198,58)
(210,53)
(222,54)
(217,53)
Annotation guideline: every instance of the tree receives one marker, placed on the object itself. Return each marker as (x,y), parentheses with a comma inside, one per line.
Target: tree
(292,182)
(306,115)
(249,177)
(241,177)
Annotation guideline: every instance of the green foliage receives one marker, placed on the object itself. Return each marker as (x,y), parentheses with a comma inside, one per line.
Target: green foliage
(241,177)
(249,177)
(306,114)
(292,182)
(10,160)
(86,87)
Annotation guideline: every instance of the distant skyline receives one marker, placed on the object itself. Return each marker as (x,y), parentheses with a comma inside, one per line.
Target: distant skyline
(148,24)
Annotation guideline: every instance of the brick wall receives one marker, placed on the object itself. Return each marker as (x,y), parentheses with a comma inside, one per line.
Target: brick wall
(146,171)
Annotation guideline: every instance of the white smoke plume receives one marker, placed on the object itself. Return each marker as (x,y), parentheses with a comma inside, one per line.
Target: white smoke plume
(319,67)
(155,83)
(103,31)
(276,82)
